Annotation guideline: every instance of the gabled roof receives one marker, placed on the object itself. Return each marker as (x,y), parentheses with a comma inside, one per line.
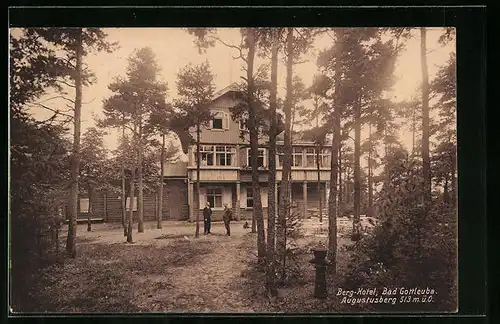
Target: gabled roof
(234,87)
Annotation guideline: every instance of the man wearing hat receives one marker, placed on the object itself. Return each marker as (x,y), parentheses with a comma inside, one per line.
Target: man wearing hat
(207,218)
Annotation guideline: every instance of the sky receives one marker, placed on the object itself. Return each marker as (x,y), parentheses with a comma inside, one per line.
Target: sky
(174,48)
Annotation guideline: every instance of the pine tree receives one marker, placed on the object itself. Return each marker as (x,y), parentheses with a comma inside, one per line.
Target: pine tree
(195,88)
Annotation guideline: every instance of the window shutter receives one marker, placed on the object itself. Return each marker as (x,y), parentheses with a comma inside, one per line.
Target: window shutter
(263,195)
(225,120)
(202,198)
(211,124)
(227,197)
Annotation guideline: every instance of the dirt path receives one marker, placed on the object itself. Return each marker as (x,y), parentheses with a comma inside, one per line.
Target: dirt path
(164,271)
(213,283)
(201,275)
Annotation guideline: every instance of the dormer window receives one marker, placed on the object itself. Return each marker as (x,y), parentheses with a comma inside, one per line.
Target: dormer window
(220,120)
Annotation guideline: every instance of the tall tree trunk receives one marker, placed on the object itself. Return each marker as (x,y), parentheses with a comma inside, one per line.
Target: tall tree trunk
(254,148)
(370,176)
(198,162)
(341,191)
(413,126)
(132,187)
(160,189)
(90,211)
(124,193)
(425,121)
(454,193)
(284,208)
(332,199)
(75,158)
(140,199)
(318,167)
(271,189)
(386,157)
(105,207)
(131,206)
(357,170)
(446,196)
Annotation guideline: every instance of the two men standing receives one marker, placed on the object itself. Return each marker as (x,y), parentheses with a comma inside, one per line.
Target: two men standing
(207,218)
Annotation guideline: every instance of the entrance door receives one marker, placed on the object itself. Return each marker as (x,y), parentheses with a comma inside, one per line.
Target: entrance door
(175,201)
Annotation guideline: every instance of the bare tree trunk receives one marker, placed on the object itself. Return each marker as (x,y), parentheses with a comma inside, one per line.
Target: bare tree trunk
(198,162)
(357,170)
(105,207)
(446,199)
(124,193)
(425,121)
(413,126)
(75,159)
(271,211)
(320,200)
(341,191)
(454,178)
(131,206)
(370,176)
(90,210)
(132,188)
(140,199)
(254,148)
(332,199)
(318,165)
(160,189)
(284,208)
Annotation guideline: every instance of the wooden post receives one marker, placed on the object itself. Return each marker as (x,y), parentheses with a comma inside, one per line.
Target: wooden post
(190,200)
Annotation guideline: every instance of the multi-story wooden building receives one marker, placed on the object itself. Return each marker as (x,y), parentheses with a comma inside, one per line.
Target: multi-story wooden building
(225,175)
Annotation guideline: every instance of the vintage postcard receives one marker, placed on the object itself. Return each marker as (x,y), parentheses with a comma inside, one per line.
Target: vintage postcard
(233,170)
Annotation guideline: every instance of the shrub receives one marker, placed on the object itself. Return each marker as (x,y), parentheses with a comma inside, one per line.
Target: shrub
(408,248)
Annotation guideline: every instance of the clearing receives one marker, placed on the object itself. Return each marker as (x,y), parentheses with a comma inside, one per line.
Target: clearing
(168,270)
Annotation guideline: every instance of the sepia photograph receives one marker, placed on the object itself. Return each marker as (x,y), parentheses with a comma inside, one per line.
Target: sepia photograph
(233,170)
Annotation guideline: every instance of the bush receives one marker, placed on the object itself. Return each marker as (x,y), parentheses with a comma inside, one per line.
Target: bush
(408,248)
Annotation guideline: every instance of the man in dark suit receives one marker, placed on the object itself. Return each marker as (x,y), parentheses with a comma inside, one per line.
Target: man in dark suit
(227,217)
(207,218)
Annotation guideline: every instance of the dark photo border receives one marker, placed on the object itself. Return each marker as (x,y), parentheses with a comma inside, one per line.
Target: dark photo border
(470,23)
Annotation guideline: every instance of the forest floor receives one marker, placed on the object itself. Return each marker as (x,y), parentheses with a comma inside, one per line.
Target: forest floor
(169,270)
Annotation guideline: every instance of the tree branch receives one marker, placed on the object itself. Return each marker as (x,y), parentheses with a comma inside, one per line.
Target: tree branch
(66,83)
(59,97)
(56,111)
(239,49)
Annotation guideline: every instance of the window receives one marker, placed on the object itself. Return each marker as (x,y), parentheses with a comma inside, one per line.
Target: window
(207,155)
(311,157)
(297,157)
(325,158)
(220,120)
(214,197)
(217,123)
(249,197)
(225,155)
(219,155)
(279,159)
(260,159)
(84,205)
(127,204)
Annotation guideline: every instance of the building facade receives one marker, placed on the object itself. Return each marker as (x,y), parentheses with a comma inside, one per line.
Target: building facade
(225,173)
